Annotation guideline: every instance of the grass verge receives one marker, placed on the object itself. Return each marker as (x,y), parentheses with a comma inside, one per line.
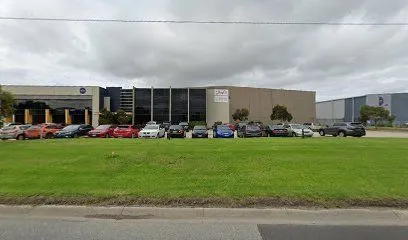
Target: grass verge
(320,172)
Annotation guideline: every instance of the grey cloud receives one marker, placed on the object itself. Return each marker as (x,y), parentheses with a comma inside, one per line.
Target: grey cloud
(332,60)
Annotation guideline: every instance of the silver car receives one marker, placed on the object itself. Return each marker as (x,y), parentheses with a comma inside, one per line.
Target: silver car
(13,132)
(152,131)
(295,130)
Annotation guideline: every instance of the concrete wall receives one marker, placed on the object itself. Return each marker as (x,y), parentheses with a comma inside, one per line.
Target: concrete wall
(260,102)
(216,111)
(399,108)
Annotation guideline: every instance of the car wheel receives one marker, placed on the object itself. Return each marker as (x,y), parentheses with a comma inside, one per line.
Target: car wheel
(342,134)
(20,137)
(321,132)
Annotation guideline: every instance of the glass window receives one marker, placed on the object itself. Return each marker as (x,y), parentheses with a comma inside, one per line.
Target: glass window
(179,105)
(161,101)
(142,105)
(198,105)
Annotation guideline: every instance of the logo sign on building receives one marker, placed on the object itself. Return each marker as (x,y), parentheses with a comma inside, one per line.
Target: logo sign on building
(221,95)
(82,90)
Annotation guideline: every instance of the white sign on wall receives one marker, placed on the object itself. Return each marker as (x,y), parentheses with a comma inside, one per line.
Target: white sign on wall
(221,95)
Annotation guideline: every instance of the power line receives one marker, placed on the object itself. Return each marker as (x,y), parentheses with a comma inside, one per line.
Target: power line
(95,20)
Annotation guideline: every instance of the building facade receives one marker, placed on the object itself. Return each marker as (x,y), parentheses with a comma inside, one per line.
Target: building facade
(348,109)
(69,105)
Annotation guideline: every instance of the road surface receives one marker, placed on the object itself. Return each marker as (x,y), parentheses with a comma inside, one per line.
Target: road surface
(55,223)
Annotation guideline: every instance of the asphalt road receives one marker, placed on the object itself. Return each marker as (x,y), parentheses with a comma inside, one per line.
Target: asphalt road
(56,223)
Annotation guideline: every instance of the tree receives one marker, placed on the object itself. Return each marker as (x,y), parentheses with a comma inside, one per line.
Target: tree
(241,114)
(280,112)
(106,117)
(375,114)
(6,104)
(122,118)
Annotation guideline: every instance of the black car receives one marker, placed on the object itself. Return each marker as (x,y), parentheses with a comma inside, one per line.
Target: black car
(250,130)
(277,131)
(344,129)
(166,125)
(176,131)
(74,131)
(200,132)
(184,125)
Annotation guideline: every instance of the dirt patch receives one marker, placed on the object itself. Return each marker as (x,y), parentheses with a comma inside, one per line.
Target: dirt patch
(251,202)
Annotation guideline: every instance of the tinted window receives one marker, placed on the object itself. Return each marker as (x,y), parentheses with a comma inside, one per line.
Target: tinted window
(123,126)
(175,127)
(198,101)
(253,128)
(356,124)
(142,105)
(151,127)
(161,104)
(179,105)
(223,127)
(200,128)
(71,128)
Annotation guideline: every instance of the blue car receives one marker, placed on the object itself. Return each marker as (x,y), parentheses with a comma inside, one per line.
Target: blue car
(223,131)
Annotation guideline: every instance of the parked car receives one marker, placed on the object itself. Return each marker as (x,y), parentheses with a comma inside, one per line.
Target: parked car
(126,131)
(184,125)
(73,131)
(176,131)
(42,131)
(295,130)
(151,123)
(166,125)
(12,124)
(312,126)
(199,132)
(250,130)
(344,129)
(277,131)
(152,131)
(223,131)
(102,131)
(14,132)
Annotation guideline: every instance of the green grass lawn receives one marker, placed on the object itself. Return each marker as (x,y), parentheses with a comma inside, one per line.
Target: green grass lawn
(320,169)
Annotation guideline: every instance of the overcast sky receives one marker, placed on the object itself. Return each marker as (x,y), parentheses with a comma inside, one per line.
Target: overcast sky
(334,61)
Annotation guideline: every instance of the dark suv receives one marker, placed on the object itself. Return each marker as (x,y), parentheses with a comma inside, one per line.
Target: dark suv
(344,129)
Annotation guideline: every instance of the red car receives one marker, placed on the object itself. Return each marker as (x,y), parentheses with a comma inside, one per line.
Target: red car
(126,131)
(102,131)
(232,126)
(42,131)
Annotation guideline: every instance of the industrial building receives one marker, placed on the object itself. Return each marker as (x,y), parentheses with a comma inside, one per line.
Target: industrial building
(82,104)
(348,109)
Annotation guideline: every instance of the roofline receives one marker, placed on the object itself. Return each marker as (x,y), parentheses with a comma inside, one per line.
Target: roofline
(337,99)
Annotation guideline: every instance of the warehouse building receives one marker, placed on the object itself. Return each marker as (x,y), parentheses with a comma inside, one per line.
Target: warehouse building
(348,109)
(82,104)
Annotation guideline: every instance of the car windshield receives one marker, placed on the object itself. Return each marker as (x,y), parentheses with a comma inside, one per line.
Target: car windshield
(276,127)
(123,126)
(70,128)
(200,128)
(297,126)
(33,128)
(183,123)
(223,127)
(102,127)
(175,127)
(307,124)
(253,127)
(152,127)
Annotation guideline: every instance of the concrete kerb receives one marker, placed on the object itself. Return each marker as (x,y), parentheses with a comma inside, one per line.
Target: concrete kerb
(323,217)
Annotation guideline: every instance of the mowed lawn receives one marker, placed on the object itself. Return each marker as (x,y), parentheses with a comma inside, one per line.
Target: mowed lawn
(318,168)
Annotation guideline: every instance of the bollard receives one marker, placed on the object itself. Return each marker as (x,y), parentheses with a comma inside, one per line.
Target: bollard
(303,133)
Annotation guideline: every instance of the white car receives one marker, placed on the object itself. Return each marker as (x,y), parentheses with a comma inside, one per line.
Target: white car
(152,131)
(295,130)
